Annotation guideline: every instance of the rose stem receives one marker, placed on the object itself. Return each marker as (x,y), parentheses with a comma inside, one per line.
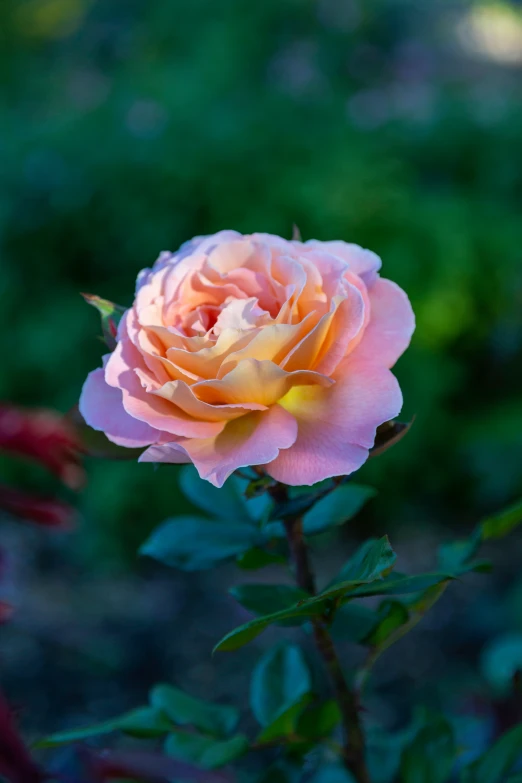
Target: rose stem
(354,744)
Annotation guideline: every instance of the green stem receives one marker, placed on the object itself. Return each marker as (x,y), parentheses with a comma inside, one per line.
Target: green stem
(354,744)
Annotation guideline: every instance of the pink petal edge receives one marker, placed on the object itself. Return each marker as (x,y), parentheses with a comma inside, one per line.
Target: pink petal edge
(102,408)
(391,326)
(254,439)
(337,425)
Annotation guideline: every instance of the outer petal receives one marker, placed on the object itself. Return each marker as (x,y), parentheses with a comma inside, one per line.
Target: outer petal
(391,325)
(251,440)
(166,258)
(274,241)
(140,404)
(102,408)
(362,262)
(236,254)
(206,242)
(337,425)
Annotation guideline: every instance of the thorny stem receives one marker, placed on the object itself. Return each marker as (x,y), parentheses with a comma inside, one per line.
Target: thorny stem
(354,744)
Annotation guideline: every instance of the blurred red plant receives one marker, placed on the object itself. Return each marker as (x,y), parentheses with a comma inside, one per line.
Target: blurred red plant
(51,440)
(41,510)
(46,437)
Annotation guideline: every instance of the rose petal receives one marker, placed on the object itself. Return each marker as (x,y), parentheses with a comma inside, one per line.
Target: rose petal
(273,241)
(330,266)
(272,343)
(165,452)
(362,262)
(120,372)
(183,396)
(255,381)
(238,253)
(205,363)
(391,325)
(102,408)
(324,346)
(241,315)
(337,425)
(290,274)
(253,439)
(207,242)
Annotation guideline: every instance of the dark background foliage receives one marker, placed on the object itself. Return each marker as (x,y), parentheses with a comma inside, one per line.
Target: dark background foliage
(127,128)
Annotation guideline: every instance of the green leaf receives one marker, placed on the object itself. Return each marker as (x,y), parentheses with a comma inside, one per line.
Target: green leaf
(141,722)
(285,723)
(374,559)
(327,504)
(456,557)
(224,752)
(185,710)
(280,680)
(257,506)
(353,622)
(144,722)
(204,751)
(225,503)
(319,721)
(396,620)
(431,755)
(390,616)
(340,505)
(243,634)
(265,599)
(110,317)
(499,525)
(399,584)
(313,606)
(256,558)
(384,751)
(77,735)
(301,500)
(501,660)
(196,543)
(497,761)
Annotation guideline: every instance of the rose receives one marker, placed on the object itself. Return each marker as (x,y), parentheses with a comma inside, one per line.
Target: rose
(254,350)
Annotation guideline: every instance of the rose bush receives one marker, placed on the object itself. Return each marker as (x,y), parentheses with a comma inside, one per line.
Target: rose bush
(254,350)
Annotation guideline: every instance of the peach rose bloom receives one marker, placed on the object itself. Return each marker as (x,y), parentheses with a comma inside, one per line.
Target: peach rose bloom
(254,350)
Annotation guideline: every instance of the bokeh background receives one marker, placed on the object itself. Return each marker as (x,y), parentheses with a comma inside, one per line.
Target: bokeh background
(127,128)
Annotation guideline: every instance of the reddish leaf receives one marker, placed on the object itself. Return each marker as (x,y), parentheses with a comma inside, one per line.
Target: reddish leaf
(41,510)
(44,436)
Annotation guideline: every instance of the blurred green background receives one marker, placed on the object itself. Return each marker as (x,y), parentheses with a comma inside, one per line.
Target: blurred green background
(127,127)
